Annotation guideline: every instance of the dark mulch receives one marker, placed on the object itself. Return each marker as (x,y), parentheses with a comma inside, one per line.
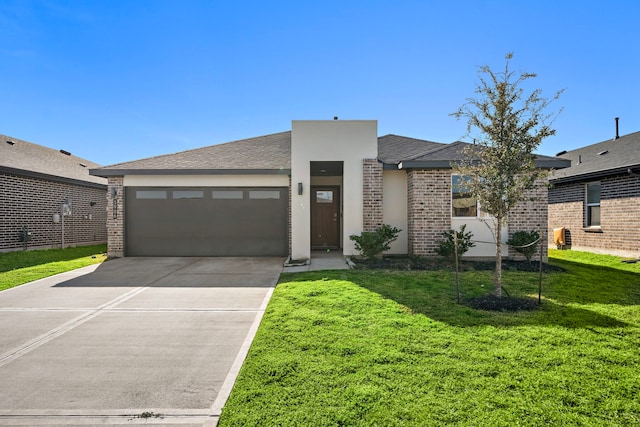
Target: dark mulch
(505,303)
(436,263)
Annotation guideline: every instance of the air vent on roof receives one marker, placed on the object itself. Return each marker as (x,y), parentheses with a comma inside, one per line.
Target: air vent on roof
(561,153)
(83,165)
(65,152)
(10,142)
(602,153)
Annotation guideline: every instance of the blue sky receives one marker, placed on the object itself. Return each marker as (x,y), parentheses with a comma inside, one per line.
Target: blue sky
(113,81)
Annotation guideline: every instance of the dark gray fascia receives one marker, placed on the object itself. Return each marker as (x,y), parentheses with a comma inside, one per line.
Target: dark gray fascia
(595,175)
(446,164)
(55,178)
(121,172)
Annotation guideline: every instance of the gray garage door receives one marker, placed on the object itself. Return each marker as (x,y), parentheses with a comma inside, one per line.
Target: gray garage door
(206,221)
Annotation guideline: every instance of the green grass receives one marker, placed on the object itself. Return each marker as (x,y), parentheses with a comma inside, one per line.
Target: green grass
(17,268)
(383,348)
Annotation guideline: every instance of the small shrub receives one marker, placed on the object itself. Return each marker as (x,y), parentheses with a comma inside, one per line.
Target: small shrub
(524,238)
(446,247)
(371,244)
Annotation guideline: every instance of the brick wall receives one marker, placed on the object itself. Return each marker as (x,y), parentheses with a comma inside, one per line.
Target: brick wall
(619,231)
(30,203)
(115,217)
(372,194)
(531,215)
(429,209)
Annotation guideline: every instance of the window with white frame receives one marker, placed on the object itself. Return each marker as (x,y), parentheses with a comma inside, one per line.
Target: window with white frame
(592,204)
(463,204)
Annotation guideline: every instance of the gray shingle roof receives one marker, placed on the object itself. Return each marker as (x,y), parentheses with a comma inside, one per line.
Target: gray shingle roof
(263,153)
(272,154)
(443,156)
(604,158)
(22,157)
(392,149)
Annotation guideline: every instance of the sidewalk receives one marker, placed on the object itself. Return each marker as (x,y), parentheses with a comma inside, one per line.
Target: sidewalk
(321,260)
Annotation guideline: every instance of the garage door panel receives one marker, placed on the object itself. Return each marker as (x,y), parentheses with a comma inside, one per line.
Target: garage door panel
(220,223)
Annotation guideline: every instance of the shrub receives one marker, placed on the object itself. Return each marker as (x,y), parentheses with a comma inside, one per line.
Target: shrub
(446,247)
(524,238)
(370,244)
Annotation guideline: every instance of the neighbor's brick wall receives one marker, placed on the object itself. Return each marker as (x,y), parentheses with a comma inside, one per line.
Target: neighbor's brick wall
(619,215)
(429,209)
(115,218)
(531,215)
(30,203)
(372,194)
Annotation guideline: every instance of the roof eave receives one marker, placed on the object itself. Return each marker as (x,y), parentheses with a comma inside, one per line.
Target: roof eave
(55,178)
(594,175)
(447,164)
(122,172)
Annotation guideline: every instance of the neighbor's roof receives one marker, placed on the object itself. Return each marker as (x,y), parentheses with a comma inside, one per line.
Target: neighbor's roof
(610,157)
(26,158)
(261,155)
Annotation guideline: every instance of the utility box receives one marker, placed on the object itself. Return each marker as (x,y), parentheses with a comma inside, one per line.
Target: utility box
(25,236)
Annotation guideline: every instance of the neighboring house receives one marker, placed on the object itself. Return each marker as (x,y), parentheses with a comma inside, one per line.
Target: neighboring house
(292,192)
(45,191)
(597,199)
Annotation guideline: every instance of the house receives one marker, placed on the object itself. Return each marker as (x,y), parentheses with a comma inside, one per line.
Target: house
(597,199)
(48,199)
(293,192)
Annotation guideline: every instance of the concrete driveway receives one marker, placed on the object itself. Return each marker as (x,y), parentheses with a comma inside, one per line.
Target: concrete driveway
(131,339)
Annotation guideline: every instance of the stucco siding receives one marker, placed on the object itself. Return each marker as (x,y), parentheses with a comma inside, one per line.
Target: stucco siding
(346,141)
(394,209)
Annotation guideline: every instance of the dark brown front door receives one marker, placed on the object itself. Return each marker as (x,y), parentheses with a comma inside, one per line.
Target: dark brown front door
(325,217)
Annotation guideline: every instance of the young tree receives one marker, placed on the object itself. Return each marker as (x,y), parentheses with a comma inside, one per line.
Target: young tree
(508,126)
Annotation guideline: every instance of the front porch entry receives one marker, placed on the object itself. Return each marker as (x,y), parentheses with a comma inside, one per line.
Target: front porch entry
(325,217)
(326,205)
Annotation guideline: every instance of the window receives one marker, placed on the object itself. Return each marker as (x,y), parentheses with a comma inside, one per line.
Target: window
(227,194)
(593,205)
(151,194)
(188,194)
(462,202)
(264,194)
(324,196)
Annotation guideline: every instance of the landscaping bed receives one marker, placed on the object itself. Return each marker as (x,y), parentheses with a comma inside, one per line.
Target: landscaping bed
(409,263)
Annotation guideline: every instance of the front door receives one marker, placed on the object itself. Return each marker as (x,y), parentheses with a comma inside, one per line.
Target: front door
(325,217)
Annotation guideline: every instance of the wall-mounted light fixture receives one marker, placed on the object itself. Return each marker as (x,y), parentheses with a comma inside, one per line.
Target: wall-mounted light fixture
(299,189)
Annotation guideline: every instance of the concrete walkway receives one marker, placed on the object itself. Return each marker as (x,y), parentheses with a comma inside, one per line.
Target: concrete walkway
(132,341)
(321,260)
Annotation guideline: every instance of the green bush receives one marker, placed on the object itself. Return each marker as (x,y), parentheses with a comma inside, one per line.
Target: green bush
(446,247)
(371,244)
(524,238)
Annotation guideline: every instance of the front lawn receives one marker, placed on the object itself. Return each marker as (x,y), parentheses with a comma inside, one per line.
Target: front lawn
(389,348)
(21,267)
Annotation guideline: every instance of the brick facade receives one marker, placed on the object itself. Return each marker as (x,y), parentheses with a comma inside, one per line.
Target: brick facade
(29,203)
(531,215)
(619,231)
(429,209)
(115,217)
(372,194)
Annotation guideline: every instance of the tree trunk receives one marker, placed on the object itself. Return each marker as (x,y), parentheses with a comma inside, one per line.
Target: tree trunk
(497,278)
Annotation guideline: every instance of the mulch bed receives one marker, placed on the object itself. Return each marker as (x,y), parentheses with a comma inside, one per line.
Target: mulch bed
(406,263)
(493,303)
